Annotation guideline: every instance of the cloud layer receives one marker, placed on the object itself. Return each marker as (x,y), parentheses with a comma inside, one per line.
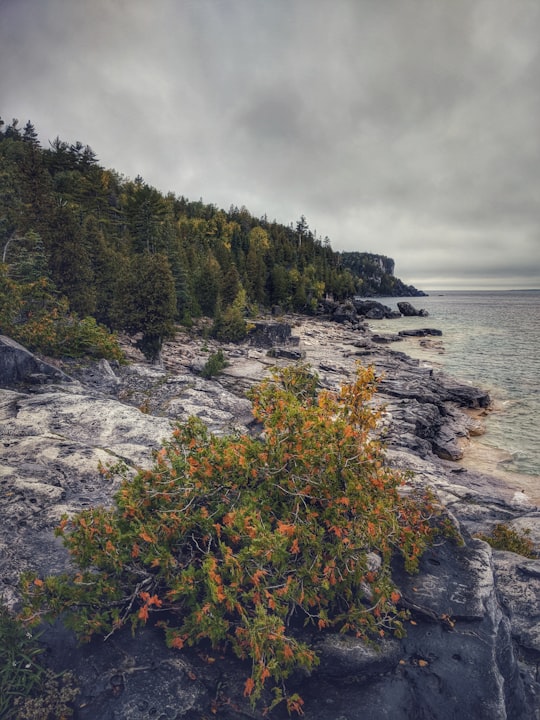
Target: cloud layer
(404,127)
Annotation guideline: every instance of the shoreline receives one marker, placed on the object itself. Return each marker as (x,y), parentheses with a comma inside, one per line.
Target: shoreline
(479,455)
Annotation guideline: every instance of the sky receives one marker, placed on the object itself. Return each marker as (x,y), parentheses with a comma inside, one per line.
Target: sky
(407,128)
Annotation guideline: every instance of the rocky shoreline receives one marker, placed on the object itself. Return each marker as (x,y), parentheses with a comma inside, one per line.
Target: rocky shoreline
(473,648)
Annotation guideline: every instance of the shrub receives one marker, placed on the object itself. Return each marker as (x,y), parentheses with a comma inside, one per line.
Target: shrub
(503,537)
(36,316)
(231,326)
(214,365)
(241,539)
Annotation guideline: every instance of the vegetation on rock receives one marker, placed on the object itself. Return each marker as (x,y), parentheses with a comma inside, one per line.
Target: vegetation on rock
(503,537)
(34,314)
(240,541)
(214,365)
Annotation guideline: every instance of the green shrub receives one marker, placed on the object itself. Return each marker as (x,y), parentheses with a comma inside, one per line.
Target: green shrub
(503,537)
(240,539)
(214,365)
(35,315)
(231,326)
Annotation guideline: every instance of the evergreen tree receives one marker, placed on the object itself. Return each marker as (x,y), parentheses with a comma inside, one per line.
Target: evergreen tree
(148,303)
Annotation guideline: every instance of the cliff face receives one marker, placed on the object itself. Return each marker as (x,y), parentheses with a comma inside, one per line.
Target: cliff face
(377,275)
(474,612)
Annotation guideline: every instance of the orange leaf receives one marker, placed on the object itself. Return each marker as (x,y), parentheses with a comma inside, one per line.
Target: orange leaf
(143,613)
(38,582)
(249,687)
(177,642)
(285,528)
(145,536)
(287,652)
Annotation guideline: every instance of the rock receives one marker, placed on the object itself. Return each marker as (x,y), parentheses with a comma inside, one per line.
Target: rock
(345,656)
(518,589)
(405,308)
(373,310)
(385,339)
(268,334)
(286,353)
(420,332)
(19,366)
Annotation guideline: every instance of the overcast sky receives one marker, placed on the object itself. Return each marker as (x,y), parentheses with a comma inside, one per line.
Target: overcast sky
(409,128)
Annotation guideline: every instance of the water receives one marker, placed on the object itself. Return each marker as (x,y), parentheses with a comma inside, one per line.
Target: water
(491,340)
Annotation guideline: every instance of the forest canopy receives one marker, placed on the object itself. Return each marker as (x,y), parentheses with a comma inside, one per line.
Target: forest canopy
(133,259)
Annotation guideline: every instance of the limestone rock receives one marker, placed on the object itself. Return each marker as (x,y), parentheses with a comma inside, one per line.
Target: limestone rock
(19,366)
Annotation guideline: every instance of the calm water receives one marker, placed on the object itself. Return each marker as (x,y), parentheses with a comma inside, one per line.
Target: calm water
(492,340)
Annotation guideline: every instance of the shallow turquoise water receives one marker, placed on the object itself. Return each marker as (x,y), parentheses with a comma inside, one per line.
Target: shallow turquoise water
(492,340)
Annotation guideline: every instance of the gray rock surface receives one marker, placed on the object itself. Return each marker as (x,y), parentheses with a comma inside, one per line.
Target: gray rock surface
(473,647)
(18,366)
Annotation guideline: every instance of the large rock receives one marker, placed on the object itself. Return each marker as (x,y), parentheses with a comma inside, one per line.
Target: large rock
(373,309)
(405,308)
(19,366)
(268,334)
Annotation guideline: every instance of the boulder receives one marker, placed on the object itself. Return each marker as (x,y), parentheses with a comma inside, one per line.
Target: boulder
(18,366)
(405,308)
(373,310)
(268,334)
(420,332)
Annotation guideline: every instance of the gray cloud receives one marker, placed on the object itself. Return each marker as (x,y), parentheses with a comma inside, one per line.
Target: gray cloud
(404,127)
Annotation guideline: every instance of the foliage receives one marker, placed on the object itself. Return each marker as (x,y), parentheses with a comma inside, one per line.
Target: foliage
(91,232)
(29,691)
(33,314)
(503,537)
(214,365)
(147,303)
(231,326)
(240,540)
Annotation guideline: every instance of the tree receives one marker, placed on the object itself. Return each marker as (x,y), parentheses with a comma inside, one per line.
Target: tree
(70,261)
(255,264)
(146,303)
(243,540)
(231,325)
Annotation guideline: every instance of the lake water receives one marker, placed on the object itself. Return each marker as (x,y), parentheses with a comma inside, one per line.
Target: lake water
(491,340)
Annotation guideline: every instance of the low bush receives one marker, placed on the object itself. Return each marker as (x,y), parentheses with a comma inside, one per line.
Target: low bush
(503,537)
(240,540)
(214,365)
(35,315)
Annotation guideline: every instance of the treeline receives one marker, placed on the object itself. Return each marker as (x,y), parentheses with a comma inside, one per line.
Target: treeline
(134,259)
